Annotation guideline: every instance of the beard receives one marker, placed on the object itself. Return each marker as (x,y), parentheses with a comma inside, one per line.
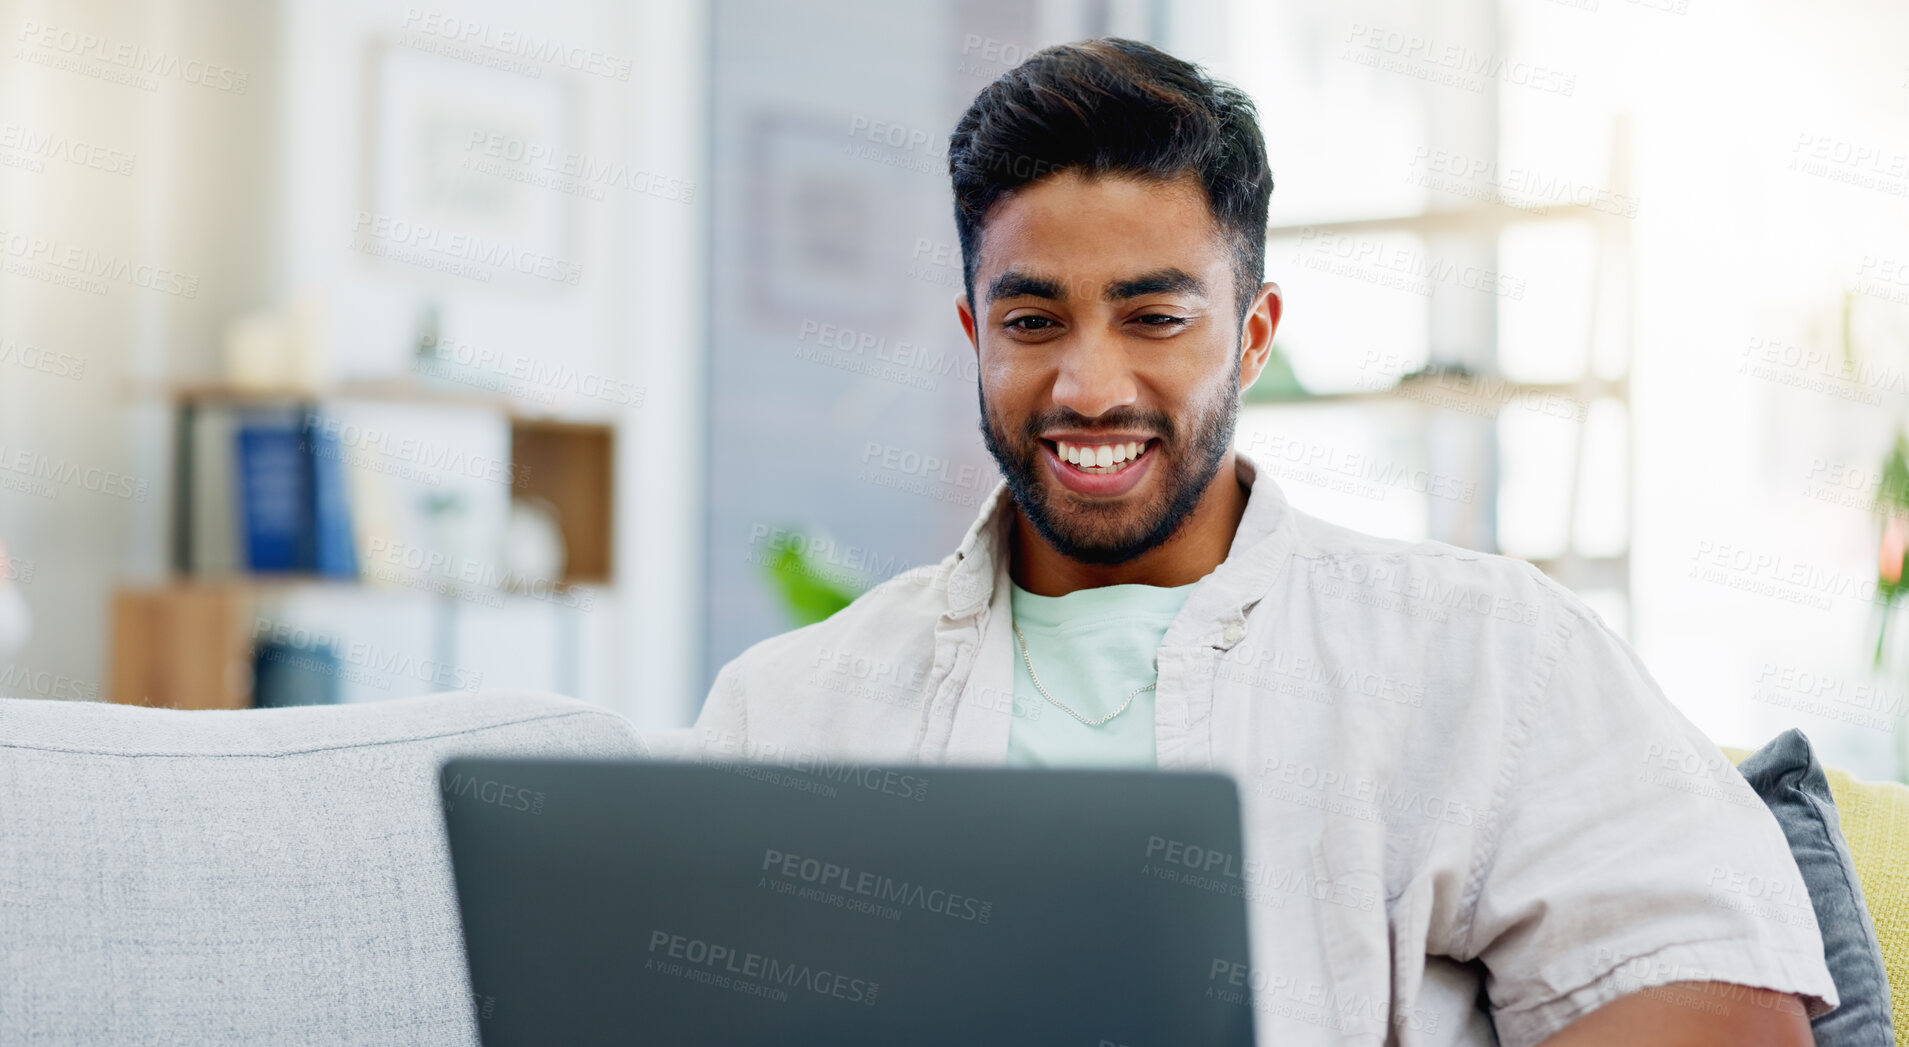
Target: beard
(1114,533)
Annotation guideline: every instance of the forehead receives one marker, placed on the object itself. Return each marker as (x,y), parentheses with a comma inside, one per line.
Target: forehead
(1087,229)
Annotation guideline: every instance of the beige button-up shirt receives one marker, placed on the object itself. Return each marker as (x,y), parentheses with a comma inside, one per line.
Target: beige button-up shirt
(1466,804)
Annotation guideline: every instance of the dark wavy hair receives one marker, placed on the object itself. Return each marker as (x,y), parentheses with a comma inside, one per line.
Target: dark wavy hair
(1114,106)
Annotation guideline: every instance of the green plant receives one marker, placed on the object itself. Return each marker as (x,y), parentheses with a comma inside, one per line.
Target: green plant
(1277,383)
(1892,503)
(807,596)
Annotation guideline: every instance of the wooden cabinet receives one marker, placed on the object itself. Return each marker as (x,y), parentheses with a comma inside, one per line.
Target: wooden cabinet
(182,647)
(188,642)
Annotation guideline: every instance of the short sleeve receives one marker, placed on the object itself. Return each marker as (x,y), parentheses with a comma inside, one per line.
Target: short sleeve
(1625,851)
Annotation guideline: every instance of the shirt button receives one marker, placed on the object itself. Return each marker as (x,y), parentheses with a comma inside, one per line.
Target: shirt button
(1233,633)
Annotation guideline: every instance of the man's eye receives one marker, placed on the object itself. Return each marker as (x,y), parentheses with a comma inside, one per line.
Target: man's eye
(1028,323)
(1163,320)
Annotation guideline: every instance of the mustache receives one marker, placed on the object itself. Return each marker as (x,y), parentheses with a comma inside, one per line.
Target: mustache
(1159,425)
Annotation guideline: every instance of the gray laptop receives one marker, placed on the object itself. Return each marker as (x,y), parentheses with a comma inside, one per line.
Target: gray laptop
(642,902)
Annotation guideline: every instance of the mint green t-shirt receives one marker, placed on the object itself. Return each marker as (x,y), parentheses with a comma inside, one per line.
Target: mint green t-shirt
(1090,648)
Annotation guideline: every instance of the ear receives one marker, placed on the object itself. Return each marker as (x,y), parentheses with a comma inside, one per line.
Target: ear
(1256,336)
(968,323)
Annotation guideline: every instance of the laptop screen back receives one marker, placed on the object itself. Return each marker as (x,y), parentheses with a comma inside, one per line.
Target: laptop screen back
(678,903)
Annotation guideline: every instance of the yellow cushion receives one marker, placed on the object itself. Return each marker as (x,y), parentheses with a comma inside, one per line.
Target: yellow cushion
(1875,820)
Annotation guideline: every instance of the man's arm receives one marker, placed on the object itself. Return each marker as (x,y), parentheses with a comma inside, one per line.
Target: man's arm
(1693,1014)
(1608,852)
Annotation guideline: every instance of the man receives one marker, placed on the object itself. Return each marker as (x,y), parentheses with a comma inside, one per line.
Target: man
(1468,808)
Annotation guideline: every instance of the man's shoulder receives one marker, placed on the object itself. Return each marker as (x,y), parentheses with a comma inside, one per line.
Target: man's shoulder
(879,632)
(1447,582)
(854,683)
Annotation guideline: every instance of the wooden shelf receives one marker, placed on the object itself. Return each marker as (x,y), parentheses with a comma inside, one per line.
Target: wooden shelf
(186,641)
(182,647)
(1413,388)
(1469,403)
(212,394)
(571,466)
(566,462)
(290,582)
(1456,219)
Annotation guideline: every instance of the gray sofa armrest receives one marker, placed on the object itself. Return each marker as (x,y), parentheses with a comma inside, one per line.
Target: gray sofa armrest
(259,877)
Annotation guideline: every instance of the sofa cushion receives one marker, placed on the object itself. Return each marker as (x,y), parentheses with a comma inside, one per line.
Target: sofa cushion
(1875,817)
(263,876)
(1786,774)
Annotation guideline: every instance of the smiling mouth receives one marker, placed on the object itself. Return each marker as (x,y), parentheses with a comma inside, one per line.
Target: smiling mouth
(1101,459)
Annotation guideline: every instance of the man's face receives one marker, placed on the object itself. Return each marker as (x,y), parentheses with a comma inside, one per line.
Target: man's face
(1106,318)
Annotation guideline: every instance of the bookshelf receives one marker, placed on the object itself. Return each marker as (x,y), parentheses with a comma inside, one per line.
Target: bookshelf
(185,641)
(1470,400)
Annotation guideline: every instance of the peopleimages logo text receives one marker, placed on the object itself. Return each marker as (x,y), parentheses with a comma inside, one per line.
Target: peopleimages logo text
(497,794)
(515,43)
(36,466)
(753,965)
(84,263)
(465,247)
(138,65)
(875,885)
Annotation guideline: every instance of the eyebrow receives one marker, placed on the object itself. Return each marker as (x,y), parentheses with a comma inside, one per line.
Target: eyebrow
(1160,281)
(1017,284)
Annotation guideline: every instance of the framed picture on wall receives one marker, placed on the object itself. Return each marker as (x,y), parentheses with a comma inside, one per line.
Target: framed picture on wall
(471,172)
(828,231)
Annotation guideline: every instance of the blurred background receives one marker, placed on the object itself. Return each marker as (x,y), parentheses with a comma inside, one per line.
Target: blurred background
(352,350)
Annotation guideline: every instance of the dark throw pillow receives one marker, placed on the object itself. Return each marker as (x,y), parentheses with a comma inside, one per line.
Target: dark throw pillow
(1790,781)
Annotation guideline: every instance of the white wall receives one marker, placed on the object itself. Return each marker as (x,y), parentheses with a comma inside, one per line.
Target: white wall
(83,465)
(256,194)
(635,314)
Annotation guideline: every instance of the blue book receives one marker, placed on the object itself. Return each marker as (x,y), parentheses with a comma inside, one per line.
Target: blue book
(334,551)
(284,674)
(274,495)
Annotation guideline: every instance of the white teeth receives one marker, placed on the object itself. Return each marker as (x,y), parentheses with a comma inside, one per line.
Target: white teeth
(1103,456)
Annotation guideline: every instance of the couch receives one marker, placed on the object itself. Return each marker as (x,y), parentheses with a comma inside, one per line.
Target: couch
(281,877)
(1874,817)
(260,877)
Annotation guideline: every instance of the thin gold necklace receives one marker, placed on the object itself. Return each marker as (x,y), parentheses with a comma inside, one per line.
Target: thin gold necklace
(1056,701)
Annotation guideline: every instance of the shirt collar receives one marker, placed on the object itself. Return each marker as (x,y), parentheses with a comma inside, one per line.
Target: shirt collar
(1253,561)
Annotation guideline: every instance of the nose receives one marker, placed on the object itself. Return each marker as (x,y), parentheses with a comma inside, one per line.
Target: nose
(1094,377)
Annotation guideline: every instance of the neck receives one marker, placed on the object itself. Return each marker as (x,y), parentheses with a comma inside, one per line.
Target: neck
(1199,546)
